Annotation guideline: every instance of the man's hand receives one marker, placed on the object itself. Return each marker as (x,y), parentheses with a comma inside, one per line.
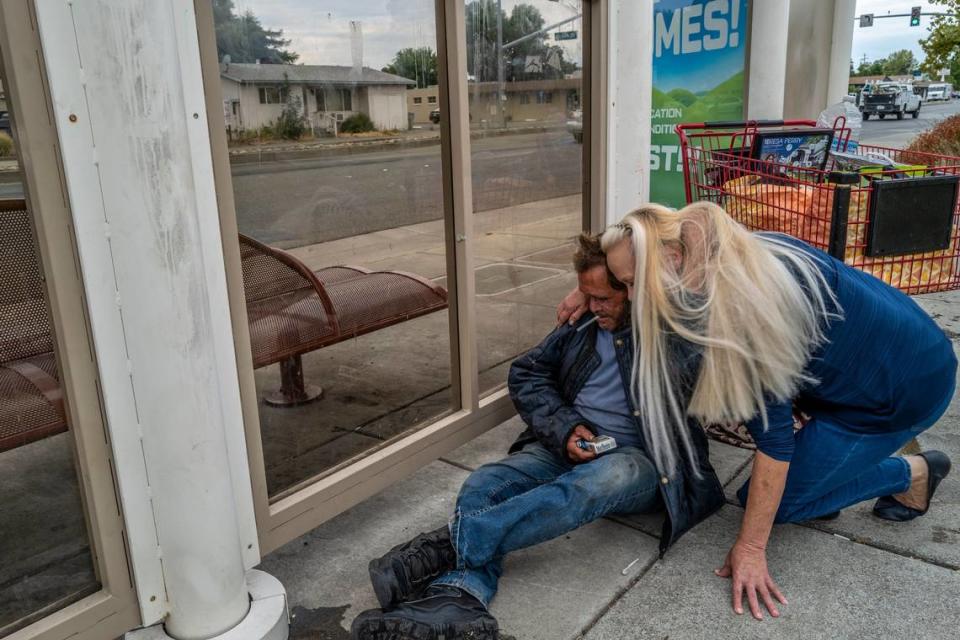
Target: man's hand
(574,452)
(572,307)
(748,568)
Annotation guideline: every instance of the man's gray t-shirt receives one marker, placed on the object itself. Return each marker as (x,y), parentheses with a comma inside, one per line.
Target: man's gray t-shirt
(603,400)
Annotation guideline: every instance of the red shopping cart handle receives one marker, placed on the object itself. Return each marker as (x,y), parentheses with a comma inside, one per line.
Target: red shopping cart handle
(739,124)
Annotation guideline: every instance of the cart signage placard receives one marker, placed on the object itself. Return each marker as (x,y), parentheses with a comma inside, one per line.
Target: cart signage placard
(807,149)
(699,58)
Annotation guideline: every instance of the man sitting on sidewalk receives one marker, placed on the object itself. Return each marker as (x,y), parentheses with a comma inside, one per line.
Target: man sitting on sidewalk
(571,387)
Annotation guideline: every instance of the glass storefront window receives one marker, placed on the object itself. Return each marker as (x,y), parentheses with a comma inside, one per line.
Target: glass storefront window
(45,557)
(338,194)
(524,66)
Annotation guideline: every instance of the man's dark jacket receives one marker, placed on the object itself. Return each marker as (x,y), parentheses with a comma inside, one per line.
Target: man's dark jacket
(545,381)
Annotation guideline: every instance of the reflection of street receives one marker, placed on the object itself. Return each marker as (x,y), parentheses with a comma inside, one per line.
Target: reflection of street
(299,202)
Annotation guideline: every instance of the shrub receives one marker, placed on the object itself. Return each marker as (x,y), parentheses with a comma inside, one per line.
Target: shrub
(6,145)
(943,139)
(357,123)
(290,123)
(247,135)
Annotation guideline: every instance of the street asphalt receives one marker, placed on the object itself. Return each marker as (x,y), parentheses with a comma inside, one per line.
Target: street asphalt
(291,203)
(897,134)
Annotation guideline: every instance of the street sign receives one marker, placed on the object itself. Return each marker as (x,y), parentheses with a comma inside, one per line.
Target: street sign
(565,35)
(915,16)
(866,20)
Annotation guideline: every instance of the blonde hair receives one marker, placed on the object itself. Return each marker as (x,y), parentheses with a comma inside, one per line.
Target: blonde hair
(756,306)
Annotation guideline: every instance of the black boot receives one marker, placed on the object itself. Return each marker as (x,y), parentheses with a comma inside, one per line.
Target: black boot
(444,612)
(402,572)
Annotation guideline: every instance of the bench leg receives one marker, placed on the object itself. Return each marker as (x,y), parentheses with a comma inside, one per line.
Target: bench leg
(292,391)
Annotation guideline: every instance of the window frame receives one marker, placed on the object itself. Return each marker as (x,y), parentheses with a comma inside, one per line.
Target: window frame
(113,609)
(473,410)
(280,94)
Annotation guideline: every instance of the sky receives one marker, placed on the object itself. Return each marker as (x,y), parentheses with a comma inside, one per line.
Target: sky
(320,29)
(890,34)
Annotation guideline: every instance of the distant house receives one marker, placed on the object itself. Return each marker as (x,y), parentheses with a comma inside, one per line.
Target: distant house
(859,82)
(255,94)
(523,101)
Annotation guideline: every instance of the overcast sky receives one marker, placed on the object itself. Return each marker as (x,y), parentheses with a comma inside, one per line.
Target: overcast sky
(890,34)
(320,29)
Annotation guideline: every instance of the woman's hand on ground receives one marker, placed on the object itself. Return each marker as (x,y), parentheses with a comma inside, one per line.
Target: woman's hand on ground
(747,566)
(574,452)
(572,307)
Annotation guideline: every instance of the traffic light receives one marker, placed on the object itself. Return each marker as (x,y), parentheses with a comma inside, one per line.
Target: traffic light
(866,20)
(915,16)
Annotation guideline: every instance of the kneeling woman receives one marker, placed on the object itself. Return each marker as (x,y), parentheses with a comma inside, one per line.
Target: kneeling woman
(778,323)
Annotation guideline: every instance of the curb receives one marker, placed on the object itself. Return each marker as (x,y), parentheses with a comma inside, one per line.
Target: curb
(244,156)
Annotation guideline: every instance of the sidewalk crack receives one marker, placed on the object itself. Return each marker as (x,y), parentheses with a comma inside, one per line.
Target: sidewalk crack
(617,597)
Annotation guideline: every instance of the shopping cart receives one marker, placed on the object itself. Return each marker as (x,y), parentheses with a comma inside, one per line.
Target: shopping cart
(897,219)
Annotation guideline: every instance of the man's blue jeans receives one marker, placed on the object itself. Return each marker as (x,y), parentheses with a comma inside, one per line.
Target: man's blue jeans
(834,467)
(533,496)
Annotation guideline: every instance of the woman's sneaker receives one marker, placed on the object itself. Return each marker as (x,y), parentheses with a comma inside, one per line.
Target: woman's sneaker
(444,612)
(405,570)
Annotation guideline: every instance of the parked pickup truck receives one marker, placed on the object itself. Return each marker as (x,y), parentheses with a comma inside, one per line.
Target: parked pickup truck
(890,99)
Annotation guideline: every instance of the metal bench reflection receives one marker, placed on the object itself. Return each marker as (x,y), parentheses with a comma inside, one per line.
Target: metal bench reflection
(291,311)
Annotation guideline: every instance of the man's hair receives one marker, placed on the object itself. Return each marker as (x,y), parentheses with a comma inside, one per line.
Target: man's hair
(589,254)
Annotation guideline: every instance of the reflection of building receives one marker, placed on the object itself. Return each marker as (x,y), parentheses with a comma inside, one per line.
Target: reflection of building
(420,102)
(525,101)
(254,94)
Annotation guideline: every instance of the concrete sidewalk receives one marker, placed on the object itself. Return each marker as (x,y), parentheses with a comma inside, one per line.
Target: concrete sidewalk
(856,577)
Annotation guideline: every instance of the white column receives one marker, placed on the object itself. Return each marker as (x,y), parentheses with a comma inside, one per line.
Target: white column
(841,47)
(770,23)
(129,108)
(630,91)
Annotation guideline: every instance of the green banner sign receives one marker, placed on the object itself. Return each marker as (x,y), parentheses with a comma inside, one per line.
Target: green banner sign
(699,56)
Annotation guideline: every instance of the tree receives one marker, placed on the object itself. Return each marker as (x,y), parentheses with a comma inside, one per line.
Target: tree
(532,59)
(874,68)
(289,124)
(942,46)
(244,39)
(419,64)
(899,63)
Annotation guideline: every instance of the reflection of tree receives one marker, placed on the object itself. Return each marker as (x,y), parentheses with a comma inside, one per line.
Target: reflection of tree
(533,59)
(244,39)
(418,64)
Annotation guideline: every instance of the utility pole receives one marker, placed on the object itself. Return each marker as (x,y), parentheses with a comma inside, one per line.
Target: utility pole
(501,88)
